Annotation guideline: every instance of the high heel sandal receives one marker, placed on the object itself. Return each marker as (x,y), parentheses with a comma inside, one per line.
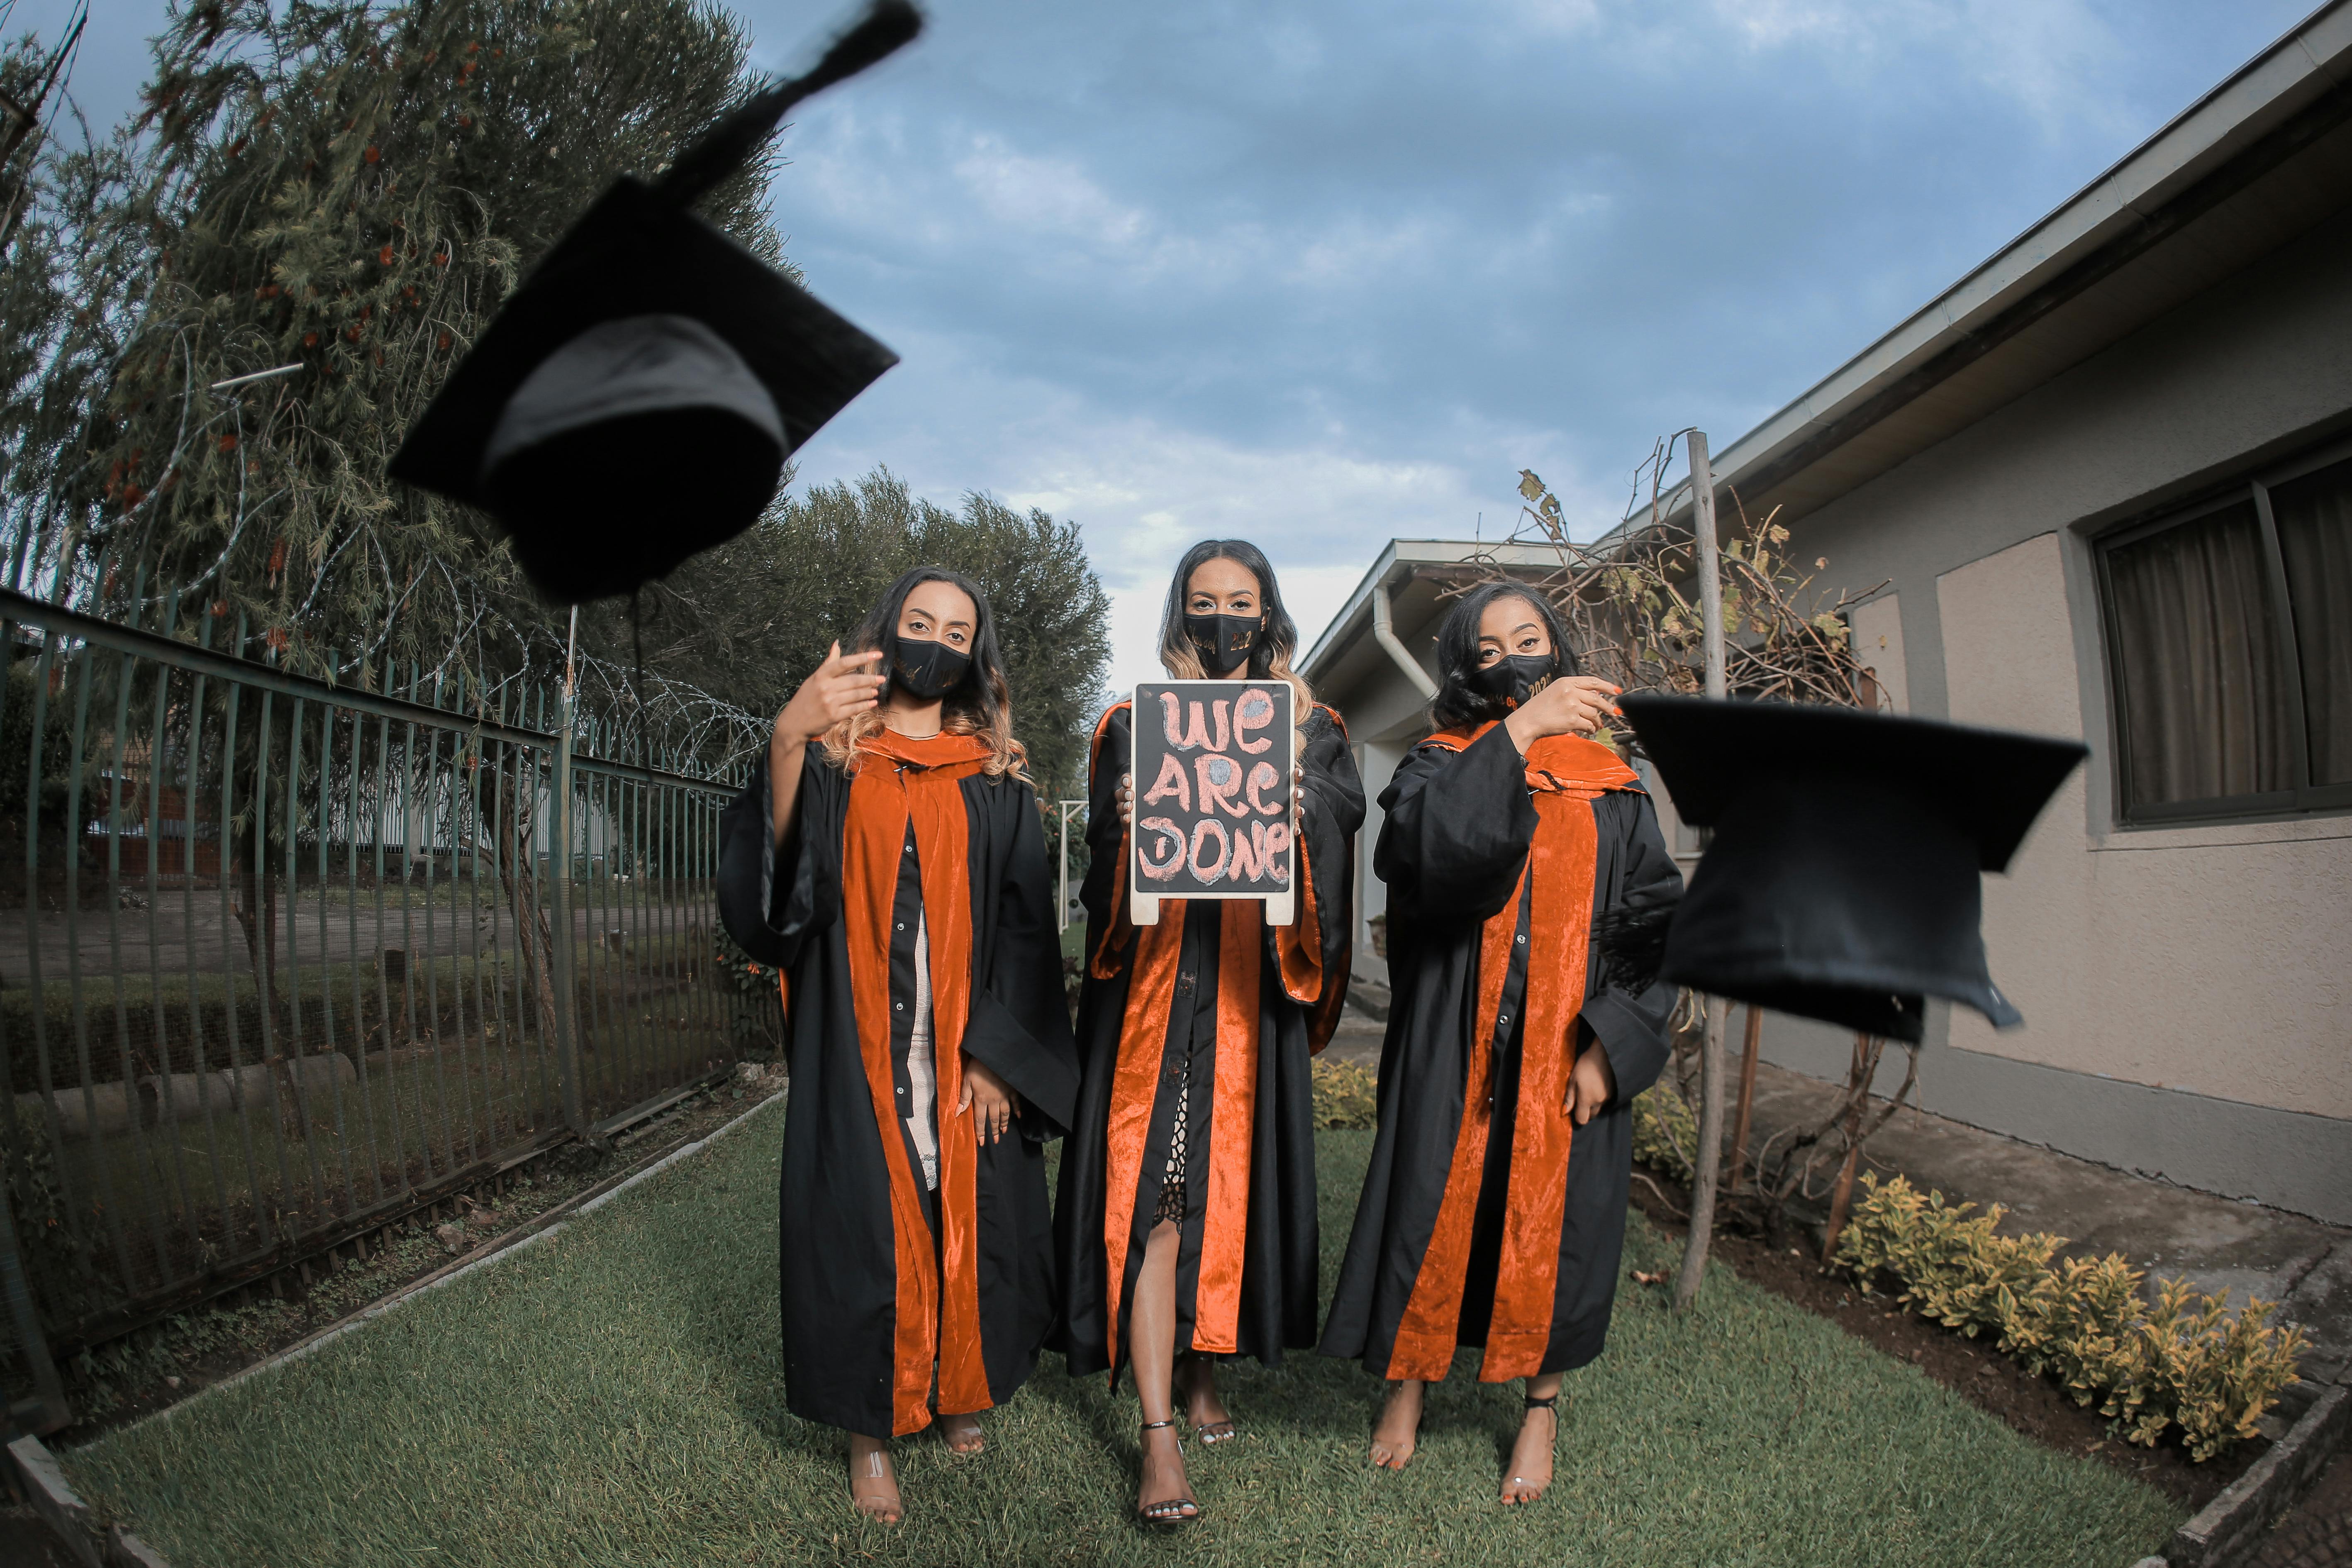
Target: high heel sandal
(1168,1512)
(1550,1403)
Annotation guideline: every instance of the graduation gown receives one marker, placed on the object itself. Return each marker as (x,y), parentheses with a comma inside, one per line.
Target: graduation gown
(883,1277)
(1477,1226)
(1213,998)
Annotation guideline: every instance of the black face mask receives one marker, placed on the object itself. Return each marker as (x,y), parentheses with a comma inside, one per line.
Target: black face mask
(926,671)
(1224,642)
(1514,677)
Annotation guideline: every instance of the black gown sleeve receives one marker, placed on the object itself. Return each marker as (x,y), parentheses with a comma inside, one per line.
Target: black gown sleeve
(1101,893)
(1020,1020)
(773,896)
(1631,1025)
(1458,827)
(1331,808)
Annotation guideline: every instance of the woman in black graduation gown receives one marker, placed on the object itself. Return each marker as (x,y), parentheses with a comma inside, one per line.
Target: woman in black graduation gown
(1507,836)
(1186,1221)
(889,860)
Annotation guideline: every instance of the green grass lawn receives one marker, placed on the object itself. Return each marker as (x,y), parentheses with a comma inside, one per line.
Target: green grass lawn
(615,1397)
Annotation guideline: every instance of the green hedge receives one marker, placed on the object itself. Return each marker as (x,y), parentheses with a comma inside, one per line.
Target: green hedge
(2183,1362)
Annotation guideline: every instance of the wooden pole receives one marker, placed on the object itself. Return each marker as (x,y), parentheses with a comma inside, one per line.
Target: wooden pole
(1749,1050)
(1710,564)
(1856,1093)
(1708,1166)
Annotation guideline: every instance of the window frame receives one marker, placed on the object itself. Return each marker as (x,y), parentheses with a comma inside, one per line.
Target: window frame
(2303,798)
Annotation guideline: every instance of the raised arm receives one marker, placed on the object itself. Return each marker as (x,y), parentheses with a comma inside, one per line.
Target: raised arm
(1457,828)
(841,687)
(771,895)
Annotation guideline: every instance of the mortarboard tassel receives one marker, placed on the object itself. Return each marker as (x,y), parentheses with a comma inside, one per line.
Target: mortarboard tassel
(887,26)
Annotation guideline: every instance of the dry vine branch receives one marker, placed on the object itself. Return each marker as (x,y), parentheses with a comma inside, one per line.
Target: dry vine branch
(1629,600)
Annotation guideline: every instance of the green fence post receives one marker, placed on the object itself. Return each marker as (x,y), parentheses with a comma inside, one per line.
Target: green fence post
(559,868)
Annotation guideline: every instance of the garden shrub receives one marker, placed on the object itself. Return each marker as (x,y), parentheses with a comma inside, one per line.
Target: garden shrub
(1664,1131)
(1347,1094)
(56,1254)
(2184,1361)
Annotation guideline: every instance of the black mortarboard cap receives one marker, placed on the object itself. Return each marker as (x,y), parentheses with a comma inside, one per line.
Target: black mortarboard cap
(634,400)
(1842,882)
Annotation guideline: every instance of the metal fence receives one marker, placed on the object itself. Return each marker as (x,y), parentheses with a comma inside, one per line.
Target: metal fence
(292,959)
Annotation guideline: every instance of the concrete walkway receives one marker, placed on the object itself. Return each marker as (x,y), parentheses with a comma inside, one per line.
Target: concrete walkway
(2218,1243)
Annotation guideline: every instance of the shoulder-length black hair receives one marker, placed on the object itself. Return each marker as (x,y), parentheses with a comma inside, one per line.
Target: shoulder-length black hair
(1270,661)
(980,703)
(1458,700)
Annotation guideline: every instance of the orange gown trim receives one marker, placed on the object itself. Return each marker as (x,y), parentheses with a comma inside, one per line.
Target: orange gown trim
(1564,774)
(1153,954)
(937,1306)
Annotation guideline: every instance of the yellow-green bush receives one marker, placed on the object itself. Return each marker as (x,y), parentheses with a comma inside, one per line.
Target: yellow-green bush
(1347,1094)
(2184,1361)
(1664,1131)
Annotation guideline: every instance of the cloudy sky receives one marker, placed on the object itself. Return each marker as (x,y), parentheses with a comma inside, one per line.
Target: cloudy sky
(1324,272)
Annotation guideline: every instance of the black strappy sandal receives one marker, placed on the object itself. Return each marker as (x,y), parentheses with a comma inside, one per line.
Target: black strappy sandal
(1550,1403)
(1168,1512)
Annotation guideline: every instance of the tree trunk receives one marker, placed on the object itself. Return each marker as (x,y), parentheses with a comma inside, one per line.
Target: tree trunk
(1706,1164)
(534,939)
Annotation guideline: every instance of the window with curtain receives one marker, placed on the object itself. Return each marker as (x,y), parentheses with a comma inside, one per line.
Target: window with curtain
(2230,647)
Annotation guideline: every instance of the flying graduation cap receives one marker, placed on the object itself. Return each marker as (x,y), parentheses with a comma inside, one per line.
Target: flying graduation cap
(634,400)
(1842,882)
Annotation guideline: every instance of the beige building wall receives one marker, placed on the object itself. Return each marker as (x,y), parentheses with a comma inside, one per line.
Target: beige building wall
(1878,643)
(2184,988)
(2210,960)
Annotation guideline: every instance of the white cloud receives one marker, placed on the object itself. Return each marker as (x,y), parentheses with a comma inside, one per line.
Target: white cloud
(1049,197)
(1145,488)
(2049,55)
(1557,16)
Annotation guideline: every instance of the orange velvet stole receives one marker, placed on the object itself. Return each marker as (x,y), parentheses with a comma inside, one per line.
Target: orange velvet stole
(1564,773)
(1152,955)
(938,1305)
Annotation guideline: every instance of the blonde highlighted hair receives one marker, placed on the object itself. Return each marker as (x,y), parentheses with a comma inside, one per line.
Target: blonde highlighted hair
(980,704)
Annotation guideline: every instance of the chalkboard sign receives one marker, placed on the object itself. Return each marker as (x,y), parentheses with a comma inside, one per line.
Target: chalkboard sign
(1212,761)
